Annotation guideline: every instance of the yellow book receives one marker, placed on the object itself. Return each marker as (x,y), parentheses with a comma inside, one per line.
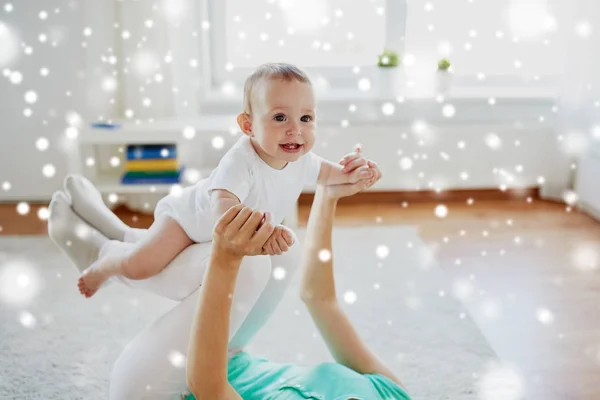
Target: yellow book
(151,165)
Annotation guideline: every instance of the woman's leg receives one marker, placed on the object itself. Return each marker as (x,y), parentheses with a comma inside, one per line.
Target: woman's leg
(163,242)
(79,241)
(87,202)
(284,267)
(152,366)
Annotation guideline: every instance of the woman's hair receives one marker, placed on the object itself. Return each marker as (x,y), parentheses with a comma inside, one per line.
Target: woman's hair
(283,71)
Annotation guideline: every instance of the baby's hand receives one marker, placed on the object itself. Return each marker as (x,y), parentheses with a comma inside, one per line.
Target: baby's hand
(355,166)
(354,160)
(279,241)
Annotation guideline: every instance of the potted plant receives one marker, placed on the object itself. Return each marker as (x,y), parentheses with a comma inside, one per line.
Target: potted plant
(443,75)
(388,59)
(388,72)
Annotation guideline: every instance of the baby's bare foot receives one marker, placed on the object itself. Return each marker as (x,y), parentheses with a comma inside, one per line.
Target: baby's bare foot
(95,276)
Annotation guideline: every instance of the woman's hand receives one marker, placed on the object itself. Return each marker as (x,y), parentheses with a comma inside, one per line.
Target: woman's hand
(242,232)
(369,175)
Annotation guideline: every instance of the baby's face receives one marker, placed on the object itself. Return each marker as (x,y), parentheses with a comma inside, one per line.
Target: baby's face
(283,123)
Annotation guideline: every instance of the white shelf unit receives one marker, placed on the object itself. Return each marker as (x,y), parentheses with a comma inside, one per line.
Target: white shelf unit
(92,142)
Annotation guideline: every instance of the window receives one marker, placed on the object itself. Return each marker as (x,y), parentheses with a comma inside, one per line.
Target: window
(500,37)
(327,37)
(498,42)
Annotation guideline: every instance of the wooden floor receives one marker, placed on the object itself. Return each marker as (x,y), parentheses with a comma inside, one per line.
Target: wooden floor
(534,269)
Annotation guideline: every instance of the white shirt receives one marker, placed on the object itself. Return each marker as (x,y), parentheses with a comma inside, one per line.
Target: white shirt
(243,173)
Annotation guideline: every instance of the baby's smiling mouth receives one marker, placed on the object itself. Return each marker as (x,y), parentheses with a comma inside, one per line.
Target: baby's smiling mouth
(291,147)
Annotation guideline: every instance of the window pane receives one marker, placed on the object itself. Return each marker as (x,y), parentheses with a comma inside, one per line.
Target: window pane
(477,36)
(310,33)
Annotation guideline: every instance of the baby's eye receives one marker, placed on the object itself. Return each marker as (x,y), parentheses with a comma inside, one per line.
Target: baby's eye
(279,118)
(308,118)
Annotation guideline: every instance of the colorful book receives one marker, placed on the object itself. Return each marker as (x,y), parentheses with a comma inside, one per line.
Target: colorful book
(149,178)
(151,165)
(151,151)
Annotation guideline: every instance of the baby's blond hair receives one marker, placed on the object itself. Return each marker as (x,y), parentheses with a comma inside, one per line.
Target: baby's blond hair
(283,71)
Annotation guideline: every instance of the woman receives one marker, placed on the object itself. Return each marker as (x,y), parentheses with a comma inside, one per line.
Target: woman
(357,373)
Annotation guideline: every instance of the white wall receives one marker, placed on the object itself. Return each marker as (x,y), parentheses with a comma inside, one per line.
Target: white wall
(79,70)
(72,86)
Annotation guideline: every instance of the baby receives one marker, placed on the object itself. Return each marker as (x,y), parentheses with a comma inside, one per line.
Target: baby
(266,169)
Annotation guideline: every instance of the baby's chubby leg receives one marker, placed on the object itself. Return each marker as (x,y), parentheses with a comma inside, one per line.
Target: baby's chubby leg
(150,255)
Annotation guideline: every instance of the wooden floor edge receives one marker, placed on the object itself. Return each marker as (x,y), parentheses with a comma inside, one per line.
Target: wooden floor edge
(423,196)
(416,196)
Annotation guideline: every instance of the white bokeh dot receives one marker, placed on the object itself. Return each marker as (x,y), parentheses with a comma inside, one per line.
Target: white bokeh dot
(493,141)
(177,359)
(364,84)
(583,29)
(218,142)
(23,208)
(109,84)
(324,255)
(42,144)
(388,108)
(31,97)
(441,211)
(43,213)
(570,197)
(462,289)
(406,163)
(350,297)
(448,111)
(48,170)
(500,382)
(279,273)
(585,256)
(16,77)
(382,251)
(113,198)
(71,133)
(545,316)
(189,132)
(27,319)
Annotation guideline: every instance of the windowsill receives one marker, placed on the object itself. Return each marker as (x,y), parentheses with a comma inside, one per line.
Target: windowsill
(465,93)
(460,89)
(513,100)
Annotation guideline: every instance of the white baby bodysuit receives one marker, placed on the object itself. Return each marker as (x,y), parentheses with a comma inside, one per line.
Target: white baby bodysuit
(242,172)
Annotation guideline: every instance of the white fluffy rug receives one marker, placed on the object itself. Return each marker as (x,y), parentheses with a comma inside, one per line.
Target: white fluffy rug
(56,345)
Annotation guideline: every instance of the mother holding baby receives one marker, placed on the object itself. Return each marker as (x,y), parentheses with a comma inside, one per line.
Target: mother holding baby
(222,277)
(357,372)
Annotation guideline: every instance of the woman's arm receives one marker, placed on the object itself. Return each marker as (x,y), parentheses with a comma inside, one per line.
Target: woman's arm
(318,293)
(238,233)
(207,351)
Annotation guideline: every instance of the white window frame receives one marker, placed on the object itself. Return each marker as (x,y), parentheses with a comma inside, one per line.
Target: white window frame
(343,80)
(214,49)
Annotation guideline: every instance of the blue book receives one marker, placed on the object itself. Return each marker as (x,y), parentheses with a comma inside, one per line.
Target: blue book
(104,125)
(152,151)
